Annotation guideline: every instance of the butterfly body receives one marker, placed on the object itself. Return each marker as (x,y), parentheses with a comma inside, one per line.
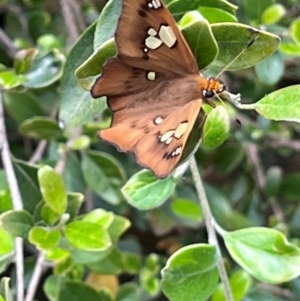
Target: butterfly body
(153,87)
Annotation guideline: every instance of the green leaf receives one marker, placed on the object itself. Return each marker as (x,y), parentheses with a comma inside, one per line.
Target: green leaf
(195,32)
(103,174)
(216,15)
(22,105)
(233,38)
(57,254)
(128,292)
(295,30)
(187,209)
(100,217)
(28,184)
(178,8)
(290,48)
(24,59)
(118,226)
(92,67)
(45,71)
(283,104)
(240,283)
(216,127)
(49,216)
(271,70)
(273,14)
(107,22)
(44,238)
(144,191)
(148,275)
(53,189)
(87,236)
(7,242)
(75,201)
(274,177)
(255,8)
(290,186)
(191,273)
(77,107)
(261,251)
(41,128)
(9,80)
(51,287)
(17,223)
(77,291)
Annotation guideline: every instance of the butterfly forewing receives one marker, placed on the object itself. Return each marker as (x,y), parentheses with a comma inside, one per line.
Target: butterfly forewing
(148,38)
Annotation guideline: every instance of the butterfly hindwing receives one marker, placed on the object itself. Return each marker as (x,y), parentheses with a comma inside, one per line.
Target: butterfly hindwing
(161,149)
(148,37)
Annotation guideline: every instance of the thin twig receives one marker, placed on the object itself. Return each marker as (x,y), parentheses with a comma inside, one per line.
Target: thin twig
(252,151)
(8,44)
(36,277)
(209,222)
(16,198)
(78,14)
(38,153)
(69,20)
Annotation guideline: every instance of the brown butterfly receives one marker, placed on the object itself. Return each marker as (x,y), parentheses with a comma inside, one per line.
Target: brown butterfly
(153,87)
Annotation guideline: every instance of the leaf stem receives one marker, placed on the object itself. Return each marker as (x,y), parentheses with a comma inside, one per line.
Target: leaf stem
(209,222)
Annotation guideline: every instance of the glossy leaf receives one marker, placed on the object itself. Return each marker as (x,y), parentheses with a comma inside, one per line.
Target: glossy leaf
(44,238)
(144,191)
(187,209)
(261,251)
(240,283)
(216,127)
(17,223)
(273,14)
(52,189)
(295,30)
(87,236)
(77,107)
(233,38)
(283,104)
(271,70)
(24,59)
(77,291)
(190,273)
(103,174)
(22,105)
(7,243)
(28,184)
(45,71)
(41,128)
(197,30)
(9,80)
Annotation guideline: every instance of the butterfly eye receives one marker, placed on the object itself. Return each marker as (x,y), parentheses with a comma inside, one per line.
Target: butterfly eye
(208,93)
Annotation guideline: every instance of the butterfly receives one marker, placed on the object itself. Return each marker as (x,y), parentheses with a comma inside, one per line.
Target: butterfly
(153,87)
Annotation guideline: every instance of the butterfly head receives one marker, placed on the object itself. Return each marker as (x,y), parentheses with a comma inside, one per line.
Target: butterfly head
(213,87)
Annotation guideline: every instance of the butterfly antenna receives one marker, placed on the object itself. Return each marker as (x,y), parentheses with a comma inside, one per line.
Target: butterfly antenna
(229,64)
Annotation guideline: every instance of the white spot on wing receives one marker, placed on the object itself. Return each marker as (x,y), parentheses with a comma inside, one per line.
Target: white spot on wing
(158,120)
(158,3)
(154,4)
(150,5)
(152,42)
(169,140)
(181,129)
(152,32)
(167,35)
(166,136)
(151,75)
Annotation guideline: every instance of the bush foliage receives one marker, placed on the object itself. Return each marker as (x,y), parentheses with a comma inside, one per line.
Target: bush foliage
(85,222)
